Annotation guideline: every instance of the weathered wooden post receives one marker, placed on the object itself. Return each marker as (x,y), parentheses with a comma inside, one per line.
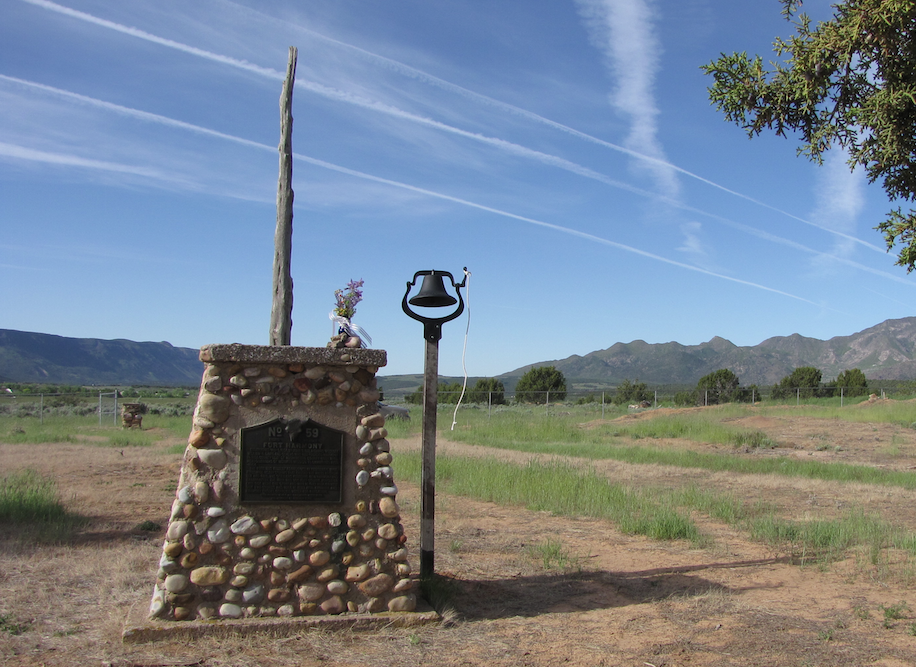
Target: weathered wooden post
(281,313)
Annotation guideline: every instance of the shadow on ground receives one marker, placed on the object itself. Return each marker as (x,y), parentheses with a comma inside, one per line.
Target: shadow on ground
(571,592)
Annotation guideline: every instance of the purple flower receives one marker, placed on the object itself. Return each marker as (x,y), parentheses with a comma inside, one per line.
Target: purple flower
(347,300)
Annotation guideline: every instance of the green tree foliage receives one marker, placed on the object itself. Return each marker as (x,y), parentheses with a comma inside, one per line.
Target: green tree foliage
(448,392)
(853,382)
(747,394)
(415,397)
(683,399)
(720,386)
(533,386)
(488,390)
(847,82)
(805,382)
(631,392)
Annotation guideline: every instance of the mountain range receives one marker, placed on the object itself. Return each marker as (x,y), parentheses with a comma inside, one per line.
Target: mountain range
(883,352)
(45,358)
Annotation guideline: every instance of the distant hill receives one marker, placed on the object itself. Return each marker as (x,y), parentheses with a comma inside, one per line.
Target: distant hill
(883,352)
(38,357)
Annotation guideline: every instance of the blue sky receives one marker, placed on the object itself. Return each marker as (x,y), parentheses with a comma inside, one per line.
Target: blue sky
(564,151)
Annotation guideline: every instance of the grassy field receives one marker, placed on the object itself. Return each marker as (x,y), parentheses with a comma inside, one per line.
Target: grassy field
(707,536)
(664,512)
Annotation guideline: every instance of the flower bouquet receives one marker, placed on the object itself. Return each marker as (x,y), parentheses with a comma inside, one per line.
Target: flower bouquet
(343,313)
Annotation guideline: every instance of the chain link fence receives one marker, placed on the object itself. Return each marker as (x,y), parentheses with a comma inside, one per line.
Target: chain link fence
(81,404)
(106,404)
(602,400)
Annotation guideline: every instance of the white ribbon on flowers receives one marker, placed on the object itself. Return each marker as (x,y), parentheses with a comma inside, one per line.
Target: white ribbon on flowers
(352,329)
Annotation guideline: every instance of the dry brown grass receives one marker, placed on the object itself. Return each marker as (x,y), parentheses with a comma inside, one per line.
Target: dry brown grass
(631,601)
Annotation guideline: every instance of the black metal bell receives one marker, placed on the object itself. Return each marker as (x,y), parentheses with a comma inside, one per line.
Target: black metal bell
(432,293)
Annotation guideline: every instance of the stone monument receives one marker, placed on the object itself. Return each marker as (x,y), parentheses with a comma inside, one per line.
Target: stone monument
(286,502)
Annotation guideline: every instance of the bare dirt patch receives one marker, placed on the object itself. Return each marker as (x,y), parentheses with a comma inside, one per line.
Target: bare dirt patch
(623,600)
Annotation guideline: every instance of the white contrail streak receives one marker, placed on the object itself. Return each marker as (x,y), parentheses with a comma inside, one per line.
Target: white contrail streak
(54,158)
(32,155)
(178,124)
(442,84)
(541,223)
(162,41)
(345,97)
(134,113)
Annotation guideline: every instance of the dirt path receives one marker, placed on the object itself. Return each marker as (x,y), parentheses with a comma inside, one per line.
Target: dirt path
(622,600)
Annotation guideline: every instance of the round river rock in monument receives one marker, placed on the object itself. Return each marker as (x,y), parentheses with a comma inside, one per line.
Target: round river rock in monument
(209,576)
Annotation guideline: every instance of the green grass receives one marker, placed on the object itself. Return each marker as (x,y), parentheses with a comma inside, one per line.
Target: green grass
(52,429)
(563,435)
(10,626)
(894,612)
(553,555)
(829,539)
(561,489)
(901,413)
(658,513)
(31,502)
(177,426)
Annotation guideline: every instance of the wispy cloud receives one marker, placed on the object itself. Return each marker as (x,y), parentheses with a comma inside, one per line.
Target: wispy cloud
(548,225)
(132,113)
(22,153)
(155,39)
(690,245)
(839,198)
(61,159)
(622,31)
(608,19)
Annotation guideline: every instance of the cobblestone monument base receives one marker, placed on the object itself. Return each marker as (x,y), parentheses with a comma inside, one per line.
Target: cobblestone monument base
(286,503)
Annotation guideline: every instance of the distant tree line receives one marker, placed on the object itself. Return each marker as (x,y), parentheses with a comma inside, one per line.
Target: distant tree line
(538,385)
(805,382)
(82,390)
(722,386)
(485,390)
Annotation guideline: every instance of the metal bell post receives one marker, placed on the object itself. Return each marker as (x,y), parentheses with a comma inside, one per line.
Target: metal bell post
(432,294)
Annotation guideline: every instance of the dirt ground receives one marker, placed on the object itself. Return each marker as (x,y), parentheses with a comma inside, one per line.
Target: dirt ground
(621,600)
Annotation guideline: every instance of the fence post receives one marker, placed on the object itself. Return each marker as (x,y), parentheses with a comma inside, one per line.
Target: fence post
(114,417)
(797,396)
(41,409)
(489,404)
(547,404)
(841,396)
(100,408)
(602,405)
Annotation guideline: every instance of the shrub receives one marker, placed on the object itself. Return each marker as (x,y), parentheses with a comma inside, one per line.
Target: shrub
(631,392)
(805,381)
(533,387)
(488,390)
(718,387)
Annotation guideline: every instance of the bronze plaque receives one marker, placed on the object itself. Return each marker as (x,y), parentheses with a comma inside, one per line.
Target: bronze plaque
(291,462)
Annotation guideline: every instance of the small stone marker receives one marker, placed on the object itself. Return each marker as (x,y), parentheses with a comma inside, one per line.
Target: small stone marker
(131,415)
(286,503)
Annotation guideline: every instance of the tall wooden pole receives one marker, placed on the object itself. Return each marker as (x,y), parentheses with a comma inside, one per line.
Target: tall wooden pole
(281,313)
